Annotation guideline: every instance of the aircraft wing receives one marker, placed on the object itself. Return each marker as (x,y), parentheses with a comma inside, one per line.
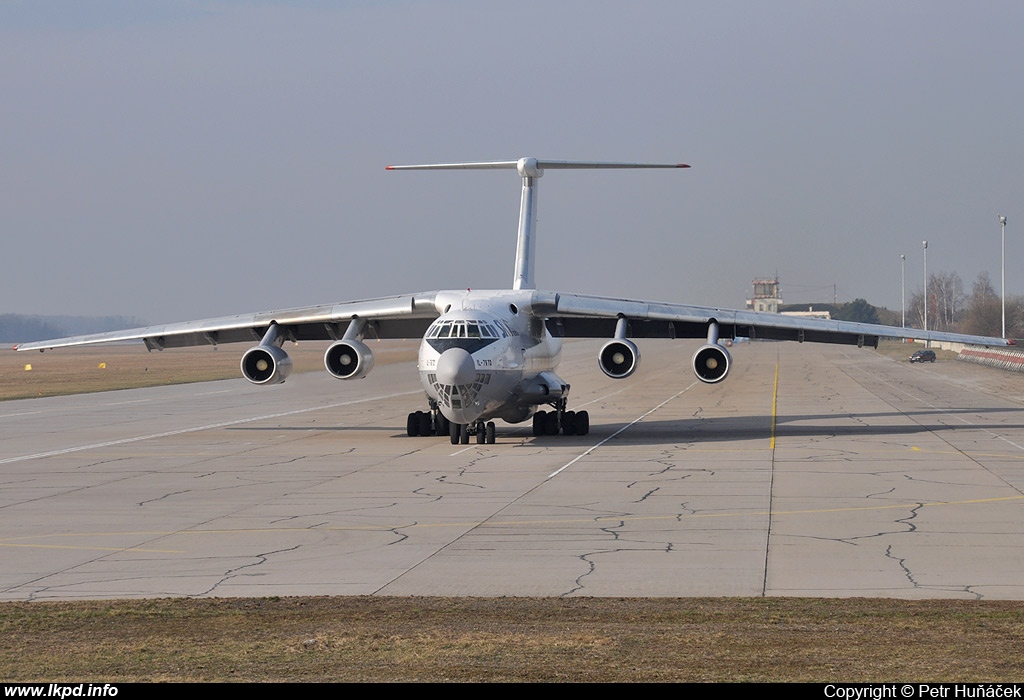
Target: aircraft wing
(405,316)
(580,316)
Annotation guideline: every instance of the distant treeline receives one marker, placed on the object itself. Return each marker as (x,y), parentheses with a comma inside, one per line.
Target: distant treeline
(857,310)
(949,308)
(18,328)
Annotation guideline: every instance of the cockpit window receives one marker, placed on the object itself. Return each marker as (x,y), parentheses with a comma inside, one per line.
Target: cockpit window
(469,329)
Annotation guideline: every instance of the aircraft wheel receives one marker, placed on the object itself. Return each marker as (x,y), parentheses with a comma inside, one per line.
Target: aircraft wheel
(426,424)
(453,432)
(539,423)
(440,424)
(551,423)
(481,437)
(464,434)
(490,433)
(569,423)
(412,425)
(581,422)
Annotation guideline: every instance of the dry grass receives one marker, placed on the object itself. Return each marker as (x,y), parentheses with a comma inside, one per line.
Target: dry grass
(82,370)
(512,639)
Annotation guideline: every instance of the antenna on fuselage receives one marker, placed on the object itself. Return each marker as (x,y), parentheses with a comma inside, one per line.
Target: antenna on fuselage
(531,169)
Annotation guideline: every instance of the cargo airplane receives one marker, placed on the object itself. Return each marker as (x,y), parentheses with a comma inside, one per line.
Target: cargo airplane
(492,354)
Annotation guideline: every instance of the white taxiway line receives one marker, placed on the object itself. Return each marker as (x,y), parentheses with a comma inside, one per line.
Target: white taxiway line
(955,416)
(196,429)
(617,432)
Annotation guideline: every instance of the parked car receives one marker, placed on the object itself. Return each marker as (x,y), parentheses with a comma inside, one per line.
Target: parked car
(923,356)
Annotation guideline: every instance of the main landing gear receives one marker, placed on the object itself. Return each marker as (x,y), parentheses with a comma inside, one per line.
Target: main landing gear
(561,421)
(426,423)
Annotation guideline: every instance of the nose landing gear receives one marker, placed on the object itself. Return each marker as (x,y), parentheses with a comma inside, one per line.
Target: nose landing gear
(484,432)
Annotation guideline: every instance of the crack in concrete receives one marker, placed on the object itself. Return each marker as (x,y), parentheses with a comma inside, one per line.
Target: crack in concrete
(970,590)
(162,498)
(609,529)
(282,462)
(423,492)
(101,462)
(647,494)
(397,532)
(235,573)
(591,567)
(902,564)
(685,511)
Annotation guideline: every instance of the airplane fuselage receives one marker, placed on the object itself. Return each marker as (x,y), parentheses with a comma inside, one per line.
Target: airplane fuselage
(488,356)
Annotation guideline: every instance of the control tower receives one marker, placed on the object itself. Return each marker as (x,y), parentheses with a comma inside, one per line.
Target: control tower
(766,297)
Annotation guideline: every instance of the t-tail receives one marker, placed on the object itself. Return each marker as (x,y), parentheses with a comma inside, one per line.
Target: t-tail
(531,169)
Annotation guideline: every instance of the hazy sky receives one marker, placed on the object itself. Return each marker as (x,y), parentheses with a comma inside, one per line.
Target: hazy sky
(181,159)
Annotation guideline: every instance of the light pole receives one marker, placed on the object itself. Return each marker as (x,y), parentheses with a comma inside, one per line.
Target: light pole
(925,245)
(903,289)
(1002,291)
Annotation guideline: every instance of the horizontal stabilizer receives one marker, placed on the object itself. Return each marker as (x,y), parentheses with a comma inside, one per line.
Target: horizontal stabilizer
(530,169)
(529,166)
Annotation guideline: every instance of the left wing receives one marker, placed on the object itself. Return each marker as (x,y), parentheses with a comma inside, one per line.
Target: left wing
(405,316)
(577,315)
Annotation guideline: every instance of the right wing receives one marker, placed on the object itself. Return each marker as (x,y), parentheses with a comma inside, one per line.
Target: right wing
(579,315)
(405,316)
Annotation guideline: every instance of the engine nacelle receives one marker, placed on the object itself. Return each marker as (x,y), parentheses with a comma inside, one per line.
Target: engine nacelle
(711,363)
(266,364)
(619,358)
(348,359)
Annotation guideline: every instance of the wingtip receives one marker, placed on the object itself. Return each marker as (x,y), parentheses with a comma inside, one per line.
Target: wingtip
(682,165)
(389,167)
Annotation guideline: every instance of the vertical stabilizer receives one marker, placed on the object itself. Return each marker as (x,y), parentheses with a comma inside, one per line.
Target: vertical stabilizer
(522,277)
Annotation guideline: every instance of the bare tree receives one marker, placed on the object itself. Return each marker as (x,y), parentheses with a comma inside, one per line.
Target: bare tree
(978,314)
(983,315)
(915,309)
(1015,317)
(982,289)
(945,302)
(947,292)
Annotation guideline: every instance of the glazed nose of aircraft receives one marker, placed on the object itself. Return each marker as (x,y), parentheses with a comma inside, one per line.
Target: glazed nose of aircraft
(455,367)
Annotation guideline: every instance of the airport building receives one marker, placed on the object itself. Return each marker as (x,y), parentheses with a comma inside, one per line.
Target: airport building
(766,297)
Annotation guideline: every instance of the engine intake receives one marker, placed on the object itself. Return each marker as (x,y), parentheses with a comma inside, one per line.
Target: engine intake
(266,364)
(711,363)
(619,358)
(348,359)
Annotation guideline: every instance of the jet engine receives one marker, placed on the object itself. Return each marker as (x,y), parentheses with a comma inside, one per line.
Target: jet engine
(619,358)
(266,364)
(348,359)
(711,363)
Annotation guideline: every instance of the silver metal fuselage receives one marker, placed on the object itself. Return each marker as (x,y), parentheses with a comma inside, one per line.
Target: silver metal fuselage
(488,356)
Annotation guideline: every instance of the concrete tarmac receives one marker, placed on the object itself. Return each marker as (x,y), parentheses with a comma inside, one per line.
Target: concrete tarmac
(811,471)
